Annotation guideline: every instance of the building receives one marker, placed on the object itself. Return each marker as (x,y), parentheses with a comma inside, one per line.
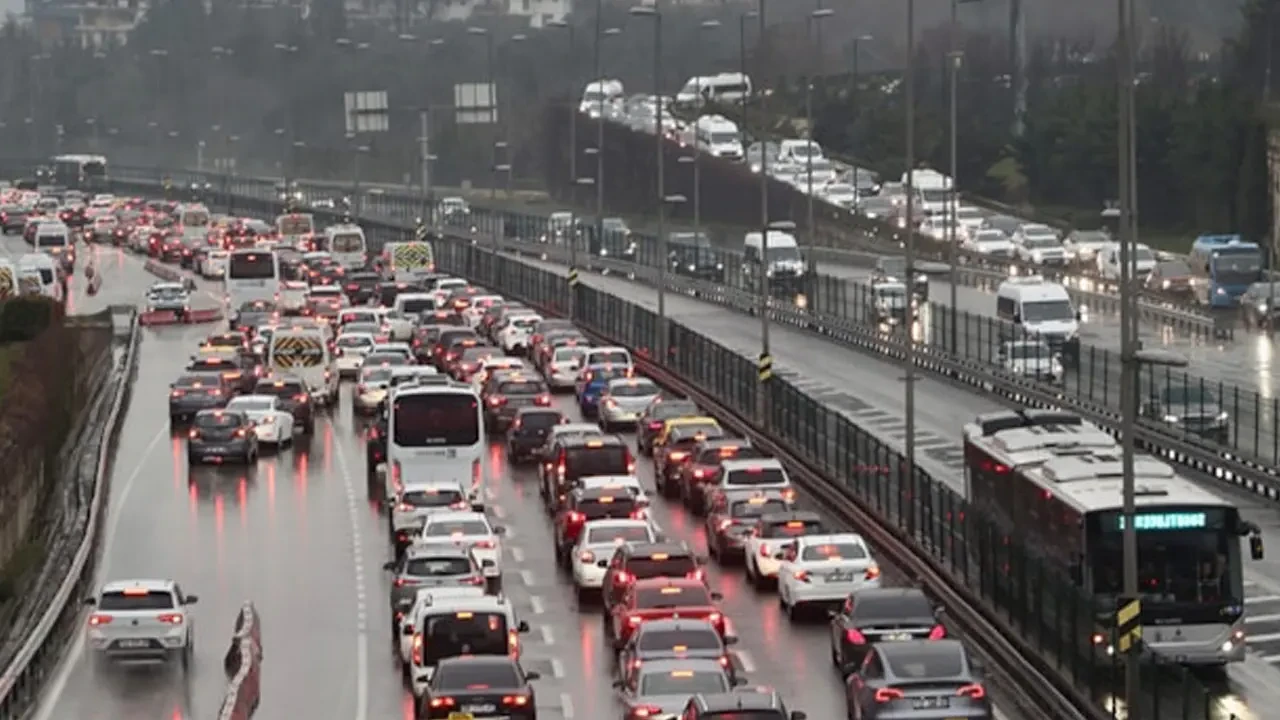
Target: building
(539,12)
(92,24)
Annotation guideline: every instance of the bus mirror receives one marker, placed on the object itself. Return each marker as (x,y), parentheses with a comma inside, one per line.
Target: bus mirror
(1255,547)
(1079,316)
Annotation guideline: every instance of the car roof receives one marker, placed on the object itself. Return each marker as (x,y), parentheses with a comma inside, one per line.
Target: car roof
(601,440)
(680,624)
(478,660)
(211,412)
(430,484)
(635,549)
(915,648)
(243,399)
(435,550)
(455,516)
(667,665)
(760,699)
(747,464)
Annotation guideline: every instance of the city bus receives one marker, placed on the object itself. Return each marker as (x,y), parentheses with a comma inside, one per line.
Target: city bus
(251,274)
(435,432)
(1050,481)
(1223,267)
(80,172)
(297,231)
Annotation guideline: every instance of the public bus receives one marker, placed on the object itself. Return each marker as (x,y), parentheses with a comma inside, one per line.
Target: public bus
(252,274)
(1052,482)
(195,221)
(437,432)
(80,172)
(1223,267)
(297,231)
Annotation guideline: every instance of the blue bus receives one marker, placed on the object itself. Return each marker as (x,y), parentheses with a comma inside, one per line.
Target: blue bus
(1223,267)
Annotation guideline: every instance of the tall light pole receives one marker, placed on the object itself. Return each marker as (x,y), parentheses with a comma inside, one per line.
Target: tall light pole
(956,58)
(572,78)
(696,158)
(493,119)
(814,27)
(600,34)
(655,11)
(742,68)
(503,116)
(290,51)
(909,358)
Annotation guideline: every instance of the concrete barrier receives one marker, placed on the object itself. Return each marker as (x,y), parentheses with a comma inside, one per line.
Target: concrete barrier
(243,665)
(204,316)
(158,317)
(164,272)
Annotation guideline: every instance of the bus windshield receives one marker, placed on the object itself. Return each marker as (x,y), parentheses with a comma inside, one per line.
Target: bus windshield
(1047,310)
(294,224)
(346,243)
(251,266)
(1238,267)
(1185,555)
(195,218)
(436,420)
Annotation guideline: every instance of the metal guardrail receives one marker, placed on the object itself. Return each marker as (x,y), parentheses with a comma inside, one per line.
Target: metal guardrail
(23,679)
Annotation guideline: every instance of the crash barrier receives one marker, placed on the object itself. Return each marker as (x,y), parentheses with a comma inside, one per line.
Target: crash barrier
(834,307)
(35,660)
(1020,610)
(243,665)
(164,272)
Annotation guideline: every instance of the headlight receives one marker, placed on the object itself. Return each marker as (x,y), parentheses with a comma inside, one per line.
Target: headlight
(604,252)
(719,266)
(922,278)
(692,267)
(768,272)
(1262,305)
(1164,284)
(1223,416)
(1173,419)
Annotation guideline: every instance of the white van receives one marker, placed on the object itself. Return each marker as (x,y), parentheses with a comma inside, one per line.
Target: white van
(933,188)
(43,273)
(345,242)
(305,352)
(728,88)
(1040,308)
(798,152)
(1108,260)
(604,92)
(194,219)
(784,261)
(55,238)
(717,135)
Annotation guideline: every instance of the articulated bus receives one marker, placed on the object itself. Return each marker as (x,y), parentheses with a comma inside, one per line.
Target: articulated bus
(251,274)
(436,432)
(1055,483)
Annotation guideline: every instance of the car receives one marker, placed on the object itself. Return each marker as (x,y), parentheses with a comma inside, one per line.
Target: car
(561,367)
(352,348)
(196,391)
(253,314)
(1083,246)
(624,400)
(822,569)
(291,396)
(732,517)
(514,336)
(1191,408)
(219,436)
(371,389)
(660,598)
(424,599)
(455,624)
(676,639)
(703,468)
(661,688)
(529,430)
(495,364)
(472,361)
(237,366)
(480,687)
(141,621)
(591,383)
(589,560)
(772,532)
(505,394)
(359,286)
(412,500)
(870,616)
(628,484)
(169,297)
(676,452)
(633,561)
(582,506)
(1258,305)
(577,456)
(429,567)
(1172,278)
(917,679)
(466,528)
(273,425)
(1031,358)
(654,419)
(761,703)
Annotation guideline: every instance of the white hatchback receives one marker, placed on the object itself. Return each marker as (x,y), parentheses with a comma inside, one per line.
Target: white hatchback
(469,529)
(596,545)
(271,424)
(141,621)
(824,569)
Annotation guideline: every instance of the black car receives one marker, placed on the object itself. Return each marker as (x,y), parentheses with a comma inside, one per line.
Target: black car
(692,255)
(759,704)
(880,615)
(479,686)
(13,218)
(222,435)
(359,286)
(529,431)
(253,314)
(891,268)
(675,639)
(385,292)
(292,396)
(238,368)
(194,392)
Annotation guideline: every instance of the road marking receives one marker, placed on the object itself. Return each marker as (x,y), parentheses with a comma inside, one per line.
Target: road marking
(536,603)
(557,668)
(362,606)
(1260,599)
(517,553)
(748,664)
(566,705)
(527,577)
(1261,618)
(546,635)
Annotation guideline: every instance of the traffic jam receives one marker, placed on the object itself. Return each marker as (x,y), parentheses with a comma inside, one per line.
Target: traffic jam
(443,373)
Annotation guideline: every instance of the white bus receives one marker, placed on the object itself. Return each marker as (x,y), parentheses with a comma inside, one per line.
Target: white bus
(296,231)
(251,274)
(345,243)
(1052,482)
(435,432)
(194,219)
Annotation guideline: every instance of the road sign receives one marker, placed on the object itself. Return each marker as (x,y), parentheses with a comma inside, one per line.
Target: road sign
(765,367)
(475,104)
(366,111)
(1128,624)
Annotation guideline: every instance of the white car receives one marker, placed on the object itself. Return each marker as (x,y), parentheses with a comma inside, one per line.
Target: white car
(938,227)
(514,336)
(629,483)
(624,400)
(444,288)
(839,194)
(562,370)
(423,599)
(991,243)
(400,348)
(480,304)
(596,544)
(417,499)
(272,425)
(352,348)
(213,264)
(1031,359)
(970,218)
(824,569)
(371,389)
(400,322)
(493,364)
(1041,250)
(470,529)
(293,296)
(770,535)
(360,315)
(141,621)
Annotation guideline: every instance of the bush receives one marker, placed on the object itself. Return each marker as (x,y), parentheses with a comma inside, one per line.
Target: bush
(23,318)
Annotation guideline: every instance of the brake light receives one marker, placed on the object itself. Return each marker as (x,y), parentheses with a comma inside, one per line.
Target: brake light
(698,574)
(700,474)
(886,695)
(853,637)
(622,578)
(404,507)
(677,456)
(560,469)
(542,400)
(631,465)
(725,525)
(301,397)
(485,544)
(513,642)
(646,711)
(937,633)
(801,575)
(610,403)
(764,550)
(99,619)
(576,517)
(634,620)
(497,401)
(586,556)
(715,618)
(442,702)
(241,433)
(170,618)
(974,691)
(178,393)
(417,649)
(724,661)
(193,434)
(515,700)
(872,572)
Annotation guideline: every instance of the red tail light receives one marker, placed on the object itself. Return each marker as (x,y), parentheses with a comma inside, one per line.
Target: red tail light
(194,434)
(241,433)
(302,397)
(610,403)
(639,514)
(442,702)
(886,695)
(801,575)
(515,700)
(764,550)
(700,474)
(99,619)
(937,633)
(677,456)
(655,425)
(417,650)
(513,642)
(725,525)
(853,637)
(178,393)
(576,517)
(698,574)
(542,400)
(646,711)
(622,578)
(634,620)
(872,572)
(975,691)
(170,618)
(497,401)
(485,544)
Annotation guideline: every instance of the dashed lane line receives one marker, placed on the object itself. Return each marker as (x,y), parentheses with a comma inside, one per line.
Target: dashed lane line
(362,605)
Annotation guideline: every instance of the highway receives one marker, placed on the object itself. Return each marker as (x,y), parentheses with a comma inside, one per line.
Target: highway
(297,536)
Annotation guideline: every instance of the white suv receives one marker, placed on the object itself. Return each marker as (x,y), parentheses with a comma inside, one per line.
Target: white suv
(142,621)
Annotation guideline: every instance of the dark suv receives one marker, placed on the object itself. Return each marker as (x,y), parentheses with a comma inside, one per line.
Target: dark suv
(293,397)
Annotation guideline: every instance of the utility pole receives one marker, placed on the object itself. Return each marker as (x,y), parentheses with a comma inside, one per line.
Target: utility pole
(762,407)
(424,117)
(956,57)
(909,358)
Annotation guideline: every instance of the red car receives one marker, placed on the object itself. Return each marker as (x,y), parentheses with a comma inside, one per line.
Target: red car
(662,598)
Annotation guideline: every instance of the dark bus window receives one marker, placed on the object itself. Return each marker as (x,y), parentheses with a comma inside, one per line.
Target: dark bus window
(428,420)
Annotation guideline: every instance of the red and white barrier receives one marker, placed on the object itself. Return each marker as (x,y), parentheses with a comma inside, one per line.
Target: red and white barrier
(164,272)
(158,317)
(204,316)
(243,664)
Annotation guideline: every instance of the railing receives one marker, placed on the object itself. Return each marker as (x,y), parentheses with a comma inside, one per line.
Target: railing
(39,654)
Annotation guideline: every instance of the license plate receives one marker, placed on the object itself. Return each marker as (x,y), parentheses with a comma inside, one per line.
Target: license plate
(461,716)
(478,708)
(930,703)
(213,451)
(897,637)
(839,577)
(135,643)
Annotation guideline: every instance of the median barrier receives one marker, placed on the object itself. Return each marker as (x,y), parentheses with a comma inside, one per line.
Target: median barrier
(162,271)
(243,665)
(204,316)
(158,317)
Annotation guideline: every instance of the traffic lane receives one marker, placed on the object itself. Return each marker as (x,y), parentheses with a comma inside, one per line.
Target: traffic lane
(274,534)
(872,396)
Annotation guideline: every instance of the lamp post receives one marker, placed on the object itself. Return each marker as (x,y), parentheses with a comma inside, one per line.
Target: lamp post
(493,102)
(654,11)
(956,58)
(425,157)
(909,358)
(573,80)
(573,240)
(502,117)
(814,27)
(601,34)
(742,68)
(697,189)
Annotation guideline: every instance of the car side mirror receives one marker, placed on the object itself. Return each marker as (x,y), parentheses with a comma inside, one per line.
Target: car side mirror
(739,681)
(523,627)
(90,601)
(1079,316)
(488,564)
(407,630)
(602,563)
(190,600)
(533,675)
(731,640)
(780,556)
(717,596)
(617,684)
(498,529)
(1255,547)
(478,506)
(797,715)
(389,565)
(1017,318)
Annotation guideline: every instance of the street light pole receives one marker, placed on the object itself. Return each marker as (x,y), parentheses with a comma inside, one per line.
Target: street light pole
(953,200)
(654,11)
(762,407)
(742,68)
(909,358)
(814,27)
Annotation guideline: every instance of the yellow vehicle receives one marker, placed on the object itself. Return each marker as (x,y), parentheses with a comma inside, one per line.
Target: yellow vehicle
(8,280)
(673,423)
(304,352)
(406,260)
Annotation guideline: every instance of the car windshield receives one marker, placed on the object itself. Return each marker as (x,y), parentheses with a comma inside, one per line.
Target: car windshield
(679,640)
(219,420)
(784,252)
(1091,237)
(790,528)
(1039,243)
(834,551)
(618,533)
(925,661)
(351,341)
(990,236)
(168,293)
(437,566)
(634,389)
(1189,395)
(685,683)
(136,600)
(250,404)
(671,596)
(432,497)
(1047,310)
(1145,254)
(197,381)
(447,528)
(376,375)
(1173,269)
(661,565)
(873,607)
(839,189)
(753,508)
(569,354)
(462,676)
(1029,351)
(540,420)
(521,387)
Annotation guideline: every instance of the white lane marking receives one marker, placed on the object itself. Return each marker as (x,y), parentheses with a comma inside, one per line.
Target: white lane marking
(1260,599)
(546,635)
(499,512)
(527,577)
(557,668)
(517,553)
(566,705)
(1262,618)
(536,603)
(748,664)
(49,699)
(362,606)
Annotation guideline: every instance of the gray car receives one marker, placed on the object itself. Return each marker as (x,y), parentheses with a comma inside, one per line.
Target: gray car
(173,297)
(220,436)
(1194,409)
(624,400)
(429,566)
(918,680)
(663,687)
(194,392)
